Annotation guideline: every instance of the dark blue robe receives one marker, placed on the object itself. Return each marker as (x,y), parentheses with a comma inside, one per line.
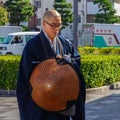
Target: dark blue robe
(36,50)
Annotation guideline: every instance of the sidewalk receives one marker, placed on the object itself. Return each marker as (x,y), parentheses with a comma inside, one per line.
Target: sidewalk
(8,108)
(100,106)
(105,107)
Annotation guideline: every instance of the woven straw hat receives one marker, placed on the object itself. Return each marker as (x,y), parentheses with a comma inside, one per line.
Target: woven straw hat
(55,85)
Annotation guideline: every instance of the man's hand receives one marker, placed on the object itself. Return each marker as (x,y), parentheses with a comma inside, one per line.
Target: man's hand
(59,56)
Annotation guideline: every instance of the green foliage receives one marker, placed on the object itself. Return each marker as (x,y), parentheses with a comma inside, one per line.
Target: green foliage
(99,51)
(100,70)
(25,28)
(8,71)
(65,10)
(106,13)
(3,16)
(86,50)
(116,51)
(105,51)
(19,10)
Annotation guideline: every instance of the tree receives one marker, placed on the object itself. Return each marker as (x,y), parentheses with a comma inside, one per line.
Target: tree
(19,11)
(3,16)
(106,12)
(65,10)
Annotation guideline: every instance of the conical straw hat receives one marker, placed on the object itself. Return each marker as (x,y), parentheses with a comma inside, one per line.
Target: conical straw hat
(55,85)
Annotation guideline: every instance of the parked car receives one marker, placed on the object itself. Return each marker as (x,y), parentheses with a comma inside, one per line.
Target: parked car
(14,43)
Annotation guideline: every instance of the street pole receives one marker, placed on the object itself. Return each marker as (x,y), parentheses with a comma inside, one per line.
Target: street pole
(75,24)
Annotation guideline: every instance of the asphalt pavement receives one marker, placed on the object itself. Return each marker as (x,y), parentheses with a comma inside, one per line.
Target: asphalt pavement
(106,107)
(101,107)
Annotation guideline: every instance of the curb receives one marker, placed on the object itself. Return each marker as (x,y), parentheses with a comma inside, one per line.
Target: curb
(98,90)
(90,93)
(115,85)
(97,93)
(7,93)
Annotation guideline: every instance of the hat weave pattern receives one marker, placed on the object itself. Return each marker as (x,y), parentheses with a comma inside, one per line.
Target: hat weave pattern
(54,85)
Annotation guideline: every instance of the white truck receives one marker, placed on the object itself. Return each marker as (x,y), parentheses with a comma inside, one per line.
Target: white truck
(106,35)
(5,30)
(103,35)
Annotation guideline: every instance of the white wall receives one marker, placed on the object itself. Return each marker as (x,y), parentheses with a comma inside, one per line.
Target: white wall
(91,8)
(117,7)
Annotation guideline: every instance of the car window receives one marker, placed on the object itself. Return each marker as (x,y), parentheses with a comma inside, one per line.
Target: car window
(17,39)
(28,37)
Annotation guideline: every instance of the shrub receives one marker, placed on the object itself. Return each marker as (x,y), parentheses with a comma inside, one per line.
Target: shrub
(115,51)
(99,51)
(100,70)
(8,71)
(86,50)
(106,51)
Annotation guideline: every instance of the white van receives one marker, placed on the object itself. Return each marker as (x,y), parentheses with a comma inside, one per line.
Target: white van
(15,42)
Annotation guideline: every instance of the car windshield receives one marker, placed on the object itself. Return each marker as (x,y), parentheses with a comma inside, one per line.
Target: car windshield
(7,39)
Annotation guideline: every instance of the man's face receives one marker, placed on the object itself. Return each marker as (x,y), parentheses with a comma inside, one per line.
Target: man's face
(52,26)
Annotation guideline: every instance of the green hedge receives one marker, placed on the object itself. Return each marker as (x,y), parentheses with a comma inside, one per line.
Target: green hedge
(99,51)
(98,70)
(8,71)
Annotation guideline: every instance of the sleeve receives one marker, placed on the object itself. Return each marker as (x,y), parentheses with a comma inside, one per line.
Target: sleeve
(28,62)
(76,62)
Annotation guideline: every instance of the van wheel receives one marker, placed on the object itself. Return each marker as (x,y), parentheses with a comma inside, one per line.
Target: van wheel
(9,54)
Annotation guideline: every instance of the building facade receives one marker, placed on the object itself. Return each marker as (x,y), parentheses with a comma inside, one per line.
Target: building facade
(42,6)
(86,12)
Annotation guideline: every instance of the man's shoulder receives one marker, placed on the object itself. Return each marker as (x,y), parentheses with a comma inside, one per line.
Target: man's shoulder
(64,40)
(34,39)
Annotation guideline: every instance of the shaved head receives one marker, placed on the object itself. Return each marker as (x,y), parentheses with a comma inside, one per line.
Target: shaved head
(51,23)
(50,13)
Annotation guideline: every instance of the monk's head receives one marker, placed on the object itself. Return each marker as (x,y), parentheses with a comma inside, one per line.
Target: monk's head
(51,23)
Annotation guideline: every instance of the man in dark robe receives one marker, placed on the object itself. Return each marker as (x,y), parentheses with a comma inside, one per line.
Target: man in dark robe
(47,44)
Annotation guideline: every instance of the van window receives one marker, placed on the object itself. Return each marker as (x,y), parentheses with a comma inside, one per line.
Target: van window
(7,39)
(28,37)
(17,39)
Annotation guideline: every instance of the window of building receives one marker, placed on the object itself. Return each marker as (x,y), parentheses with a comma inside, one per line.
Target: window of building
(39,21)
(79,19)
(70,26)
(46,9)
(38,4)
(90,18)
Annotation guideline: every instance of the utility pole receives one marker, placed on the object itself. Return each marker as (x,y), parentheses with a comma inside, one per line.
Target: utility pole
(75,24)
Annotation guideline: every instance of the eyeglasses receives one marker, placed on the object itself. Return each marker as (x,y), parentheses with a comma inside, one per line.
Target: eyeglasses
(54,25)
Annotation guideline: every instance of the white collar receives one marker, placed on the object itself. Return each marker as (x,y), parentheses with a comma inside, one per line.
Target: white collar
(53,44)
